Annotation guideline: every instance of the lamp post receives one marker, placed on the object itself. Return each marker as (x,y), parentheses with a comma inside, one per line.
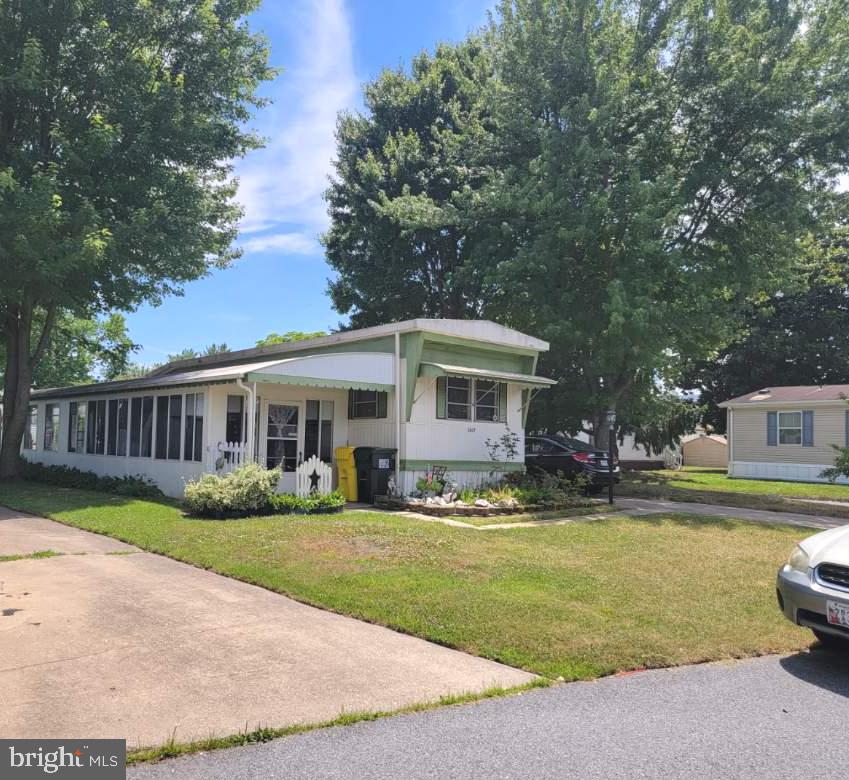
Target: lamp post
(611,447)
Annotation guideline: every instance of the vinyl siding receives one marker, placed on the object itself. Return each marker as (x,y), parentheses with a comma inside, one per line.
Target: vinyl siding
(749,434)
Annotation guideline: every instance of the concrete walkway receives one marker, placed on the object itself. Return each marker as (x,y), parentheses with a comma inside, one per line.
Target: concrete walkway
(108,641)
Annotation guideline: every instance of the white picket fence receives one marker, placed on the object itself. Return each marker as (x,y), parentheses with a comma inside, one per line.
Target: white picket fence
(228,455)
(313,476)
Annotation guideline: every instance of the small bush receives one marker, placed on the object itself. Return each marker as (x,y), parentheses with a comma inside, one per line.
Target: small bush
(66,476)
(287,504)
(248,490)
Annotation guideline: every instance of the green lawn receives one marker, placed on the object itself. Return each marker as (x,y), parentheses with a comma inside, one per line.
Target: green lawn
(693,478)
(578,600)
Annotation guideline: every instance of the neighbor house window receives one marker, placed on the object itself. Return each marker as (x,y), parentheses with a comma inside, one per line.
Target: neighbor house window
(459,398)
(76,426)
(96,431)
(169,416)
(366,404)
(51,427)
(193,429)
(31,431)
(789,427)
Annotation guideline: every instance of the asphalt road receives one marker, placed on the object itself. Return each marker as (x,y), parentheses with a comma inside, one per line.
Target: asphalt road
(762,719)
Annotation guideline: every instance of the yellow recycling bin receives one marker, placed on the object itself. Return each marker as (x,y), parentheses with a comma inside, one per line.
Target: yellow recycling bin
(347,472)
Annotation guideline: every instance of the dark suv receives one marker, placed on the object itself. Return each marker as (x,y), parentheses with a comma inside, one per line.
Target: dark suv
(573,457)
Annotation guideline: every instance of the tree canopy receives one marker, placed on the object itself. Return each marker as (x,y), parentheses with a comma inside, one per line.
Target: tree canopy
(796,336)
(289,336)
(647,167)
(119,120)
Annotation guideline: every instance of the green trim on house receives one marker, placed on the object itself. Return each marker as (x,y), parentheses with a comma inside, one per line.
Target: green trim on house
(438,338)
(527,395)
(462,465)
(411,349)
(339,384)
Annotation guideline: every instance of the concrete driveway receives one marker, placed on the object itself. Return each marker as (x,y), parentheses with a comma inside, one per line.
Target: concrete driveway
(108,641)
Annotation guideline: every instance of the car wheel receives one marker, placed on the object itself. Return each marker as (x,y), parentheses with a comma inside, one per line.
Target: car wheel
(830,641)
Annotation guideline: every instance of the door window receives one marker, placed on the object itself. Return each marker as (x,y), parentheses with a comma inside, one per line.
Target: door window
(282,437)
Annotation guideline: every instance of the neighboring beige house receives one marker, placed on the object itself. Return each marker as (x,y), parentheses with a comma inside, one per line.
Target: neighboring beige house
(704,449)
(787,432)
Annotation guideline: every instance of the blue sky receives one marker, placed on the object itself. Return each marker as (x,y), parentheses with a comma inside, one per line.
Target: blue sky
(327,49)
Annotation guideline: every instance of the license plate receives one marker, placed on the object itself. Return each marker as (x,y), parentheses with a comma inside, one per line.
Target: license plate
(603,464)
(838,614)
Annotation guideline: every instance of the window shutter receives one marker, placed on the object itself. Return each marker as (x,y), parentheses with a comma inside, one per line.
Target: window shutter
(440,398)
(808,428)
(772,429)
(350,404)
(381,404)
(502,402)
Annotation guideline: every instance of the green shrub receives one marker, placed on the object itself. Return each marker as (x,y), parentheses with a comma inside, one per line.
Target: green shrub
(248,490)
(66,476)
(424,485)
(287,504)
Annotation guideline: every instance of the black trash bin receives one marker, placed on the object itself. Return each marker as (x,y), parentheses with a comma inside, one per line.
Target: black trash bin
(382,465)
(362,462)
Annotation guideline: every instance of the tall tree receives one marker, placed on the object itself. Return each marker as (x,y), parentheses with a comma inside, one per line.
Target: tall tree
(289,336)
(792,337)
(403,205)
(82,351)
(118,119)
(666,155)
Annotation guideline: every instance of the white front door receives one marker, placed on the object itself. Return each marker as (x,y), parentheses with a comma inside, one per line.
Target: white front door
(284,439)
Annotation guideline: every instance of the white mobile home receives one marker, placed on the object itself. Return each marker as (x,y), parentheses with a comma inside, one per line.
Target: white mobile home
(786,432)
(433,390)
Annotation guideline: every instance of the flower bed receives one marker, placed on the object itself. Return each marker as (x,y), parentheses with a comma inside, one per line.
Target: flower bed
(441,508)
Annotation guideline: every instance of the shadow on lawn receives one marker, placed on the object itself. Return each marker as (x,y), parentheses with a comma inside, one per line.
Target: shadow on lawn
(694,520)
(827,669)
(39,497)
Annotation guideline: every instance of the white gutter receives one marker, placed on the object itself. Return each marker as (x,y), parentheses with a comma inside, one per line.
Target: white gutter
(397,403)
(251,421)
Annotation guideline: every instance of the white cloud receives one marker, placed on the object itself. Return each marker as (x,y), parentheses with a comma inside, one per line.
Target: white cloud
(284,182)
(289,243)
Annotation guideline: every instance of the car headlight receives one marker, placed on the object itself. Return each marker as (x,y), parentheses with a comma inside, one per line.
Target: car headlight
(799,561)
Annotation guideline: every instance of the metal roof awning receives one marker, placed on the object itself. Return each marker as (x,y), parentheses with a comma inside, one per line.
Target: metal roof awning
(345,371)
(527,380)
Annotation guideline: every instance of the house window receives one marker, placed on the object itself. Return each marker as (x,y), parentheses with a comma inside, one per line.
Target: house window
(31,431)
(235,428)
(458,398)
(96,430)
(51,427)
(76,426)
(789,427)
(366,404)
(318,430)
(193,429)
(169,417)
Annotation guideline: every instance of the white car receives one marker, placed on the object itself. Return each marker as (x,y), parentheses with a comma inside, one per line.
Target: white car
(813,586)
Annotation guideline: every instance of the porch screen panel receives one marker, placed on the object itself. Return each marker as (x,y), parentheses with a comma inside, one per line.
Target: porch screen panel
(175,419)
(162,427)
(112,429)
(96,439)
(123,409)
(135,427)
(147,426)
(73,422)
(193,433)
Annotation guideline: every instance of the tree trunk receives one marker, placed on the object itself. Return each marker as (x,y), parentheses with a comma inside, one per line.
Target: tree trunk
(15,402)
(17,386)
